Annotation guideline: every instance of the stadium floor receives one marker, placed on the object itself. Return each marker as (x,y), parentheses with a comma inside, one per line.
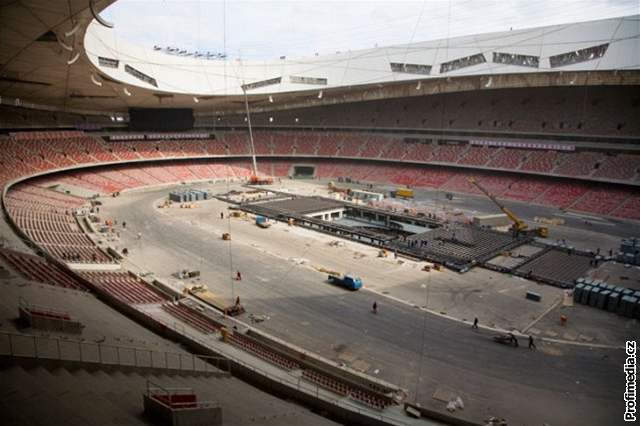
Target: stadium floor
(279,282)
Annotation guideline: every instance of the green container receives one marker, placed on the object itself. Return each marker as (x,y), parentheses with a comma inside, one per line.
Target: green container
(613,302)
(577,292)
(593,297)
(603,298)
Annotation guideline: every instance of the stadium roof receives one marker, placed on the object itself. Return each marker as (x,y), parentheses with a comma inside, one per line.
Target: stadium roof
(58,55)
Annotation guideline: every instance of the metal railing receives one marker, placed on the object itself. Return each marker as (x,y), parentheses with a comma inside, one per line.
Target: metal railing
(53,348)
(295,382)
(155,390)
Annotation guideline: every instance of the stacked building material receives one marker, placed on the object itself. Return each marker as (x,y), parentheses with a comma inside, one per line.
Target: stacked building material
(188,195)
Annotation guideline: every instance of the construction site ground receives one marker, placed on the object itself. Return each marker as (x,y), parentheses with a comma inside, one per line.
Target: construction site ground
(428,351)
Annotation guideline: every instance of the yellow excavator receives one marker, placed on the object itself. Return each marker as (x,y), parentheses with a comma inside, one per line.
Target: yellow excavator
(518,224)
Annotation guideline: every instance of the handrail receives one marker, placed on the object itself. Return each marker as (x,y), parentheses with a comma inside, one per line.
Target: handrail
(63,347)
(45,347)
(291,381)
(24,304)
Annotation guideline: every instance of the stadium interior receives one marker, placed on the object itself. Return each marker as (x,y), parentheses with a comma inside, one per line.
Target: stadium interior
(174,252)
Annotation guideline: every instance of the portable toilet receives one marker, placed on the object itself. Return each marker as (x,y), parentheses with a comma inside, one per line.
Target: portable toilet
(588,281)
(629,306)
(612,303)
(584,298)
(603,298)
(622,305)
(579,281)
(593,297)
(577,292)
(619,289)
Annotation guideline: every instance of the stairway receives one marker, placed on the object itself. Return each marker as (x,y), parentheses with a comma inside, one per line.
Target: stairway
(35,394)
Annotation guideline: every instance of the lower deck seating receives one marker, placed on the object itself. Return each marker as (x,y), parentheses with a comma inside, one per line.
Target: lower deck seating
(560,194)
(37,269)
(630,209)
(125,287)
(46,216)
(331,383)
(262,351)
(191,317)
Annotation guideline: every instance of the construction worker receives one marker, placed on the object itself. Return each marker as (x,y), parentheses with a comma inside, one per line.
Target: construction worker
(531,344)
(238,276)
(221,215)
(375,307)
(475,323)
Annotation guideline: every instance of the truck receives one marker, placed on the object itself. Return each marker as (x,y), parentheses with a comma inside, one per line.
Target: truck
(262,222)
(347,281)
(402,193)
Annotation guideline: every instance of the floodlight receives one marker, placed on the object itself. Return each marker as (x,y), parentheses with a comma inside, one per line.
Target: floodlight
(74,59)
(65,46)
(96,81)
(73,30)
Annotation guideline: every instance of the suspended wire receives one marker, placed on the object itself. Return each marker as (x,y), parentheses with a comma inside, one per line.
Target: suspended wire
(229,242)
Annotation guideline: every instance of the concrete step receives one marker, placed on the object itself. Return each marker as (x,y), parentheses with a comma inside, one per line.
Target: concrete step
(76,397)
(81,396)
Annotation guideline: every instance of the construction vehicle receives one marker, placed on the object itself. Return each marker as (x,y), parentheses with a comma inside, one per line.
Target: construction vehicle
(346,281)
(256,180)
(335,188)
(402,193)
(262,222)
(518,225)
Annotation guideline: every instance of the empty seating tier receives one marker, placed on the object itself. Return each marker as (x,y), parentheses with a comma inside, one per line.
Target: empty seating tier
(125,287)
(262,351)
(37,269)
(191,317)
(333,384)
(30,152)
